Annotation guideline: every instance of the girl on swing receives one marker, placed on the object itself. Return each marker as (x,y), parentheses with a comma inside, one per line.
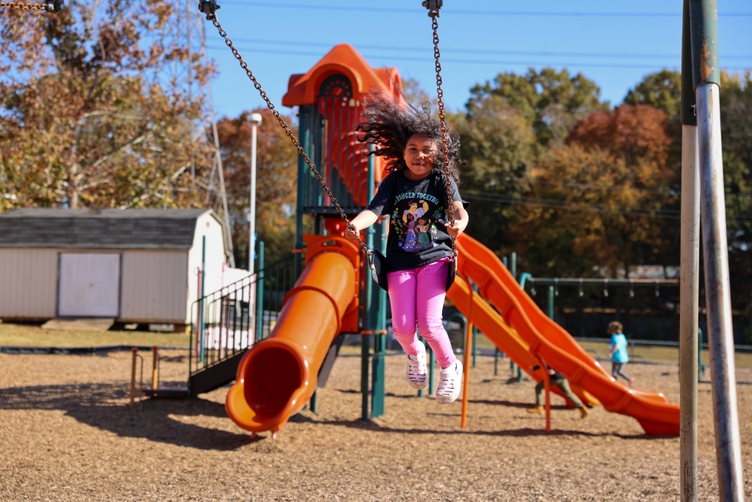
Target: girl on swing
(415,191)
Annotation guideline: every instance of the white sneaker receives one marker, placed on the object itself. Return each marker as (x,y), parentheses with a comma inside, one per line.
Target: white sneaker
(450,383)
(417,373)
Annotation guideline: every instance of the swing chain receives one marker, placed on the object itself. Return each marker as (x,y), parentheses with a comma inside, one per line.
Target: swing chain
(49,6)
(213,18)
(433,11)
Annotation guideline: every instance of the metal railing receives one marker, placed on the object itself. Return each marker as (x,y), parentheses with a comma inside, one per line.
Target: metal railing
(228,322)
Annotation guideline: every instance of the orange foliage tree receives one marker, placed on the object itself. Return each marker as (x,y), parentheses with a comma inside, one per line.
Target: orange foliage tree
(604,199)
(276,182)
(91,115)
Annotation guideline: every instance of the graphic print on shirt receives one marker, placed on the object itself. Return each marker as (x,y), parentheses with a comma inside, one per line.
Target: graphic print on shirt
(414,219)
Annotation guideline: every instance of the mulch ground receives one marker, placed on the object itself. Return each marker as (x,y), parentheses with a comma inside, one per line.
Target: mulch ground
(67,433)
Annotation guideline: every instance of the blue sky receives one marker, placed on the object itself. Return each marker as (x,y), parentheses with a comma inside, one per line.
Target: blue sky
(612,43)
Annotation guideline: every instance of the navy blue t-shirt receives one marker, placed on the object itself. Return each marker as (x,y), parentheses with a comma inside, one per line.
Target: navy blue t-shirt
(418,218)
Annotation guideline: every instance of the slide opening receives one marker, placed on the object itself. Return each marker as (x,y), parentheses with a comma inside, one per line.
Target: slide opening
(271,378)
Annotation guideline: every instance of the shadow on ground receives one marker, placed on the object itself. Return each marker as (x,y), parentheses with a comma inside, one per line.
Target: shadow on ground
(375,426)
(94,405)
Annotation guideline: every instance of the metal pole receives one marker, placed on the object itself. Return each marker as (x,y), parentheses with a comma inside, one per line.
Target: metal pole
(706,79)
(690,272)
(256,119)
(202,333)
(551,302)
(466,376)
(260,294)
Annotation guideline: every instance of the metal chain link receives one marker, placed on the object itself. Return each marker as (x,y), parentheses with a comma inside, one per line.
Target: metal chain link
(288,131)
(24,6)
(434,14)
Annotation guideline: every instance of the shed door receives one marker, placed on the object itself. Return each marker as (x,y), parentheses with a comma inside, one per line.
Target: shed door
(89,285)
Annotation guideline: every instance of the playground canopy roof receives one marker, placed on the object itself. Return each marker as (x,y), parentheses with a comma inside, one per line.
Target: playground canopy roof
(103,229)
(345,60)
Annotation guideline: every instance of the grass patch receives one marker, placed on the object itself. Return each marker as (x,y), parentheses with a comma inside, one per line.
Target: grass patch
(19,335)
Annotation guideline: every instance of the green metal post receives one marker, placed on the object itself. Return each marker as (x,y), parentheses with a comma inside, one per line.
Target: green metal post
(700,364)
(260,294)
(304,121)
(496,361)
(513,268)
(420,339)
(365,352)
(475,334)
(201,334)
(551,302)
(378,376)
(431,362)
(377,310)
(475,345)
(367,323)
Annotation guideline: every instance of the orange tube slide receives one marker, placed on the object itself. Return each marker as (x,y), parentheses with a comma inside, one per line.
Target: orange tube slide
(278,375)
(553,344)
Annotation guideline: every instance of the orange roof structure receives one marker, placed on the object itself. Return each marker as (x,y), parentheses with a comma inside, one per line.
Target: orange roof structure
(343,59)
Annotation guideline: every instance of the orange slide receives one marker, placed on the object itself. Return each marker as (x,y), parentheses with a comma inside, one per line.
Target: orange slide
(278,375)
(549,341)
(496,329)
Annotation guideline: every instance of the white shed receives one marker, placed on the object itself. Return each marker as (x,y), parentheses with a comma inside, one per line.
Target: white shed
(132,265)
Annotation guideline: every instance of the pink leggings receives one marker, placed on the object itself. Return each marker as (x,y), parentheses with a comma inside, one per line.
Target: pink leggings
(417,298)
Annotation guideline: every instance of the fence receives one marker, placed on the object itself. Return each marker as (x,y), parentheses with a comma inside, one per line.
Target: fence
(229,321)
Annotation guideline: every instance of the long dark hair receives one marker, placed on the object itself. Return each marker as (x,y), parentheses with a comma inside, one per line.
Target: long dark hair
(388,125)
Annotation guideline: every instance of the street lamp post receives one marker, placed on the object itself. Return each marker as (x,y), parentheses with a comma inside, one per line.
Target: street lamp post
(255,122)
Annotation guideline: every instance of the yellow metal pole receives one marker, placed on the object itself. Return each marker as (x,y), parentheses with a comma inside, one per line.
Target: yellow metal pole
(134,353)
(154,368)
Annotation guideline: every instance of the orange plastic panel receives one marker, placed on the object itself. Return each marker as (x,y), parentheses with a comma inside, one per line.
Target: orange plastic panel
(558,348)
(343,59)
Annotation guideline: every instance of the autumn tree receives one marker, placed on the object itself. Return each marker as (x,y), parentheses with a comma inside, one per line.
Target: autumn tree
(90,115)
(600,200)
(497,143)
(551,101)
(276,182)
(661,90)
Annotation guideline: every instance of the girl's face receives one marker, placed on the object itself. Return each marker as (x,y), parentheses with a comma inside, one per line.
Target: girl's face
(419,155)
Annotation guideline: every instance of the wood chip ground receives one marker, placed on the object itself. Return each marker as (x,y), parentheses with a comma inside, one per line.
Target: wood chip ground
(67,433)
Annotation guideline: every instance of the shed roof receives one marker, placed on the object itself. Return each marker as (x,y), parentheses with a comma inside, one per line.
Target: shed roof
(103,229)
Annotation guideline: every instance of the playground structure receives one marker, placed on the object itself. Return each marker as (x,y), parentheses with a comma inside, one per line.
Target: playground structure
(702,196)
(277,376)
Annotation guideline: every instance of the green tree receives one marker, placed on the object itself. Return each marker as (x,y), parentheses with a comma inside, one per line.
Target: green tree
(497,142)
(661,90)
(736,134)
(551,101)
(597,202)
(86,119)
